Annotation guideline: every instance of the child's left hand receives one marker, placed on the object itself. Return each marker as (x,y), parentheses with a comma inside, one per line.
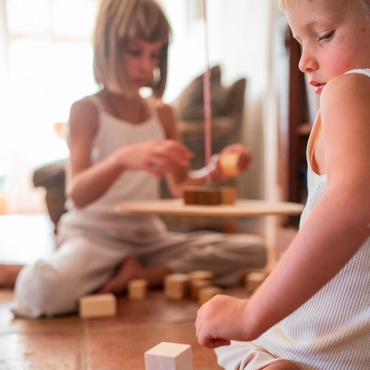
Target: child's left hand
(220,320)
(239,155)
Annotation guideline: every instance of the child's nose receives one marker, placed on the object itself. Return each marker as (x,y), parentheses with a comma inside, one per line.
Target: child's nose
(307,63)
(147,64)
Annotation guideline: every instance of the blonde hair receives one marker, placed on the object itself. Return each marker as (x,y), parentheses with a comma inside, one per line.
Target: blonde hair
(285,4)
(119,21)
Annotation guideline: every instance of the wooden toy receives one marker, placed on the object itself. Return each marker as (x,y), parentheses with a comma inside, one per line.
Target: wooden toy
(98,305)
(137,289)
(196,285)
(205,294)
(254,279)
(209,195)
(169,356)
(176,286)
(202,275)
(229,164)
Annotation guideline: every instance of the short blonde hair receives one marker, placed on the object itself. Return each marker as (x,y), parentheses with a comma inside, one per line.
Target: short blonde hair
(119,21)
(285,4)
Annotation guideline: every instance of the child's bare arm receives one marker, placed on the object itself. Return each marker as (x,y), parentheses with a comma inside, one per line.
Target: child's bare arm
(87,182)
(179,177)
(333,233)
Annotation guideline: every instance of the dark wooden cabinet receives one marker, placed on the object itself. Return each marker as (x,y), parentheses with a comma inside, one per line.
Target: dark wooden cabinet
(298,129)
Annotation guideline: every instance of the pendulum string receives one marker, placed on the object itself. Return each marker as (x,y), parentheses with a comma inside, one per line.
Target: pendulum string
(207,101)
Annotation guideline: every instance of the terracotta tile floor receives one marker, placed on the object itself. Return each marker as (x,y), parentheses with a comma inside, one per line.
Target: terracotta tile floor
(98,344)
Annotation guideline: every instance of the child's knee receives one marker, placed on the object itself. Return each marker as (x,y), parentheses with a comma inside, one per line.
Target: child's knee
(43,291)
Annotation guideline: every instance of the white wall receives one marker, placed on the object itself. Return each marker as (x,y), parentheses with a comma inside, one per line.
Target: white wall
(238,35)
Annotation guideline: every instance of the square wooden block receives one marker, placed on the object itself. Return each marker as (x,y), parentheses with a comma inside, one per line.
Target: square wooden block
(205,294)
(176,286)
(137,289)
(169,356)
(98,305)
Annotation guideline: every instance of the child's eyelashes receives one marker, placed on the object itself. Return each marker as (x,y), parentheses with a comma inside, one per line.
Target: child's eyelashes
(327,36)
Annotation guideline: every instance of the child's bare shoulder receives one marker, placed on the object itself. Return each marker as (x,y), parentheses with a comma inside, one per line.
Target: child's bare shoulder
(346,92)
(84,114)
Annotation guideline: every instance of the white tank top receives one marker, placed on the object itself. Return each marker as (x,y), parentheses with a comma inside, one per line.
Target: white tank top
(114,133)
(331,331)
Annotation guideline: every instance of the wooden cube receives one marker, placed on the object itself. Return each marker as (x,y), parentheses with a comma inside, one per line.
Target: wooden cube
(137,289)
(254,279)
(228,195)
(202,275)
(205,294)
(209,195)
(196,286)
(98,305)
(169,356)
(176,286)
(229,163)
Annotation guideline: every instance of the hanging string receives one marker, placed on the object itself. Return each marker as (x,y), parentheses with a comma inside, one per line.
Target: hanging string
(207,99)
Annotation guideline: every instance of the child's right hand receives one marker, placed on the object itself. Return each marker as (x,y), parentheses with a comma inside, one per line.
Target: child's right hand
(157,157)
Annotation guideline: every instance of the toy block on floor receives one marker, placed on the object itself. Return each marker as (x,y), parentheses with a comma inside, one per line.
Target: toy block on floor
(169,356)
(176,286)
(209,195)
(205,294)
(137,289)
(229,163)
(254,279)
(97,305)
(202,275)
(200,279)
(196,286)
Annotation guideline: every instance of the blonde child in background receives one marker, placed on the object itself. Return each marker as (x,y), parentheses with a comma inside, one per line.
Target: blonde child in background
(120,146)
(313,311)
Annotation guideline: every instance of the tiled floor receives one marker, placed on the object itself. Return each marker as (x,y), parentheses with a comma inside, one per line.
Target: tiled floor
(98,344)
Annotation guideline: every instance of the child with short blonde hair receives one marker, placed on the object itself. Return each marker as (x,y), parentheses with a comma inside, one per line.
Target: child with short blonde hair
(313,311)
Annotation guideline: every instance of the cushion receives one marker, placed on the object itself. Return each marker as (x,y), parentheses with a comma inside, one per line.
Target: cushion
(189,105)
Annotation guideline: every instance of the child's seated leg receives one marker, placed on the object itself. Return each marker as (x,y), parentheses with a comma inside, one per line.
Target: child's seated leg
(131,269)
(247,356)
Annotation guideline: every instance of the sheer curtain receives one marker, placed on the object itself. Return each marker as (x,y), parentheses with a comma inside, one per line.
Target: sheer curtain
(45,65)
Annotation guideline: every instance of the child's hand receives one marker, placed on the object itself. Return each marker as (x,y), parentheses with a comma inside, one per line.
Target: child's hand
(157,157)
(233,160)
(220,320)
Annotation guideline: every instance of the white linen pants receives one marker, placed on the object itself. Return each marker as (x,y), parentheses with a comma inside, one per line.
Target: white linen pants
(91,248)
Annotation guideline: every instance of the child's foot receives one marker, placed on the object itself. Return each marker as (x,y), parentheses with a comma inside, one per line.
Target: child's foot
(8,275)
(282,365)
(131,269)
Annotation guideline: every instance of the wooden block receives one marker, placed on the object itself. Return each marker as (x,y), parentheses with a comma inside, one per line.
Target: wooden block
(98,305)
(196,285)
(228,195)
(176,286)
(254,279)
(202,275)
(137,289)
(205,294)
(169,356)
(229,164)
(202,195)
(209,195)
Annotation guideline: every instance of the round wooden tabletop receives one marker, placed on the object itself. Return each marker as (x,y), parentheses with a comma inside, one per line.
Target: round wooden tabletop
(241,208)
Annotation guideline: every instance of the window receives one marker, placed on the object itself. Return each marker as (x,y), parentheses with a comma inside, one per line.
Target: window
(47,57)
